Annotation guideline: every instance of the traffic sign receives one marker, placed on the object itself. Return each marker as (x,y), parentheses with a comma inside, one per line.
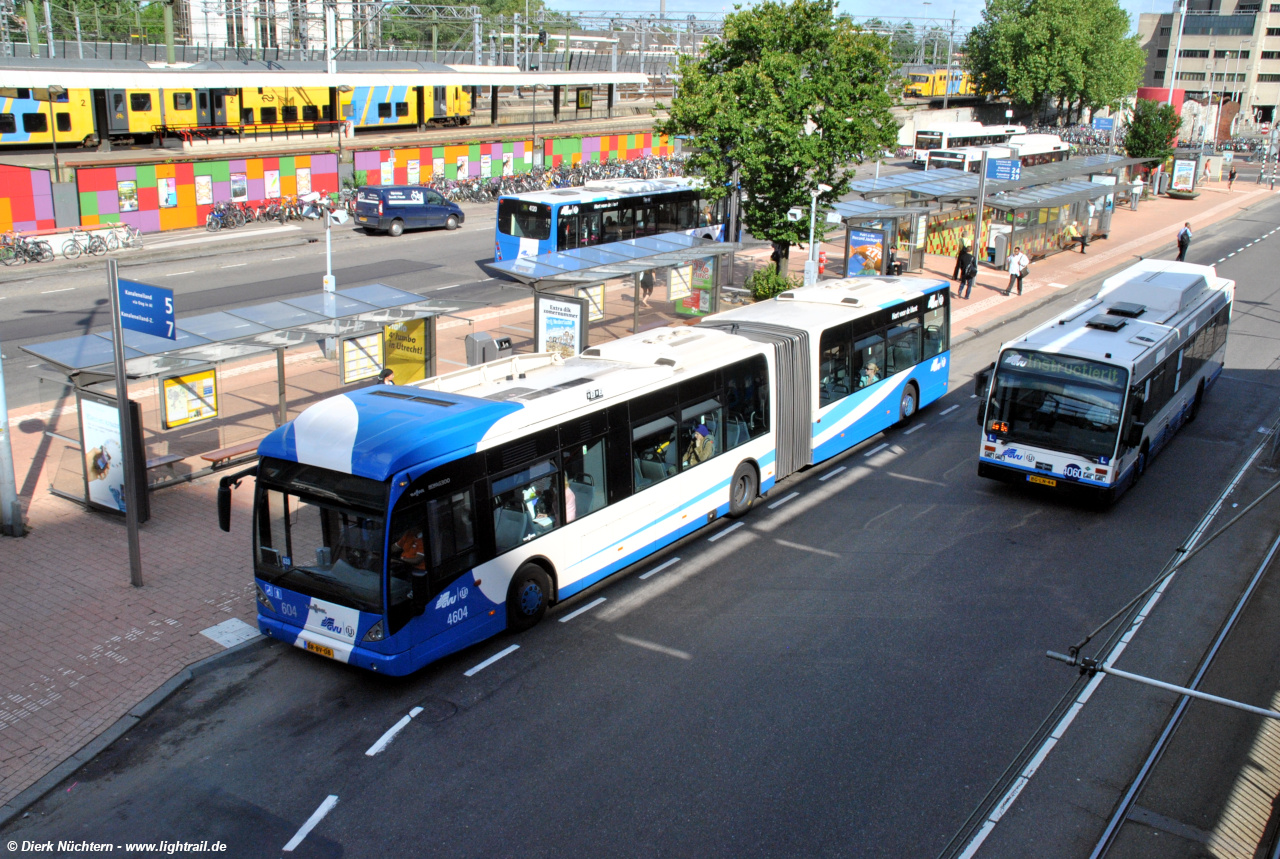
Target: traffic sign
(1004,169)
(147,308)
(1104,123)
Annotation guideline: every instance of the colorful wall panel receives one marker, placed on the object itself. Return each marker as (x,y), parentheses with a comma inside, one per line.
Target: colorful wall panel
(27,201)
(155,197)
(397,167)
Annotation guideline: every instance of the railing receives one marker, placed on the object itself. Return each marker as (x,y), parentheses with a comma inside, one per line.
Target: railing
(268,130)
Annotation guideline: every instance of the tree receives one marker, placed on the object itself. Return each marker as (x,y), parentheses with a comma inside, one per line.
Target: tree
(1152,130)
(1077,53)
(790,96)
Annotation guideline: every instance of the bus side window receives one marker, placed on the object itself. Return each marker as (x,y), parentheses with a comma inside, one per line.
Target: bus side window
(586,480)
(935,332)
(653,451)
(568,232)
(868,360)
(526,504)
(904,346)
(746,401)
(835,372)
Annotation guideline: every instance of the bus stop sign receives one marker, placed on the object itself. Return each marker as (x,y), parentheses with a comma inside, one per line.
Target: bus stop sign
(1104,123)
(1004,169)
(148,309)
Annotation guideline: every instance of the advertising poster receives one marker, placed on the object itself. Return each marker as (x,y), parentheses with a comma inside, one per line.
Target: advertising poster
(127,191)
(387,176)
(204,190)
(866,252)
(303,175)
(679,282)
(559,324)
(104,460)
(361,358)
(486,165)
(1184,174)
(698,301)
(239,187)
(595,301)
(414,171)
(437,167)
(167,192)
(407,349)
(508,164)
(464,166)
(1106,179)
(189,398)
(584,98)
(271,184)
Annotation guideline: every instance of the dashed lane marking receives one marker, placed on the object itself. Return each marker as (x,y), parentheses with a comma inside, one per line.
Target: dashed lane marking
(390,735)
(875,450)
(316,817)
(660,568)
(914,428)
(52,291)
(949,411)
(492,659)
(832,473)
(176,273)
(782,501)
(233,265)
(734,527)
(571,615)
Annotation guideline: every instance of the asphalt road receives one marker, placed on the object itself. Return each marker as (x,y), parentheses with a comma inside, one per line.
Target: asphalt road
(846,675)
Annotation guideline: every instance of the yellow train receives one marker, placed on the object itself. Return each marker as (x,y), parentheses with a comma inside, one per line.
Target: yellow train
(935,84)
(89,115)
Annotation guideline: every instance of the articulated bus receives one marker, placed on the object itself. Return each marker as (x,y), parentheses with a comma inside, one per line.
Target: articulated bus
(958,135)
(602,211)
(1084,401)
(1029,149)
(396,524)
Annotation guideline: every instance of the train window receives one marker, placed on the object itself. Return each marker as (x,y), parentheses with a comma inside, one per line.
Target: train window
(140,101)
(32,122)
(246,116)
(267,114)
(402,108)
(310,113)
(204,101)
(8,125)
(64,121)
(384,110)
(326,112)
(182,101)
(290,112)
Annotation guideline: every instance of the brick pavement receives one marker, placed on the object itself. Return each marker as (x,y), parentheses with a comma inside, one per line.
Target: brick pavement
(83,647)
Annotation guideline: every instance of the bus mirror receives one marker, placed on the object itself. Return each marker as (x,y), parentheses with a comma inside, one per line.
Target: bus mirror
(224,508)
(420,586)
(982,380)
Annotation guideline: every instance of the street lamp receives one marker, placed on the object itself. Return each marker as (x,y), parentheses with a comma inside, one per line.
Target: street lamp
(811,264)
(55,92)
(342,120)
(533,110)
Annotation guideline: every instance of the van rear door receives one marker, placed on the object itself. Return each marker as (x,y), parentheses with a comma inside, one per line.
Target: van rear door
(367,202)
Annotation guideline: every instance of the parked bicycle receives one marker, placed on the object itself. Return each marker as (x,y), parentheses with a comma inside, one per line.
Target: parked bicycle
(16,250)
(83,243)
(221,216)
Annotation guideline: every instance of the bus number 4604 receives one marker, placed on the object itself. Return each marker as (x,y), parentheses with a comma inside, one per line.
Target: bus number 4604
(457,615)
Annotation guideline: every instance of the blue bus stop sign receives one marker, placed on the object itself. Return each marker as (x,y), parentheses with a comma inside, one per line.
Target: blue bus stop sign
(148,309)
(1004,169)
(1103,123)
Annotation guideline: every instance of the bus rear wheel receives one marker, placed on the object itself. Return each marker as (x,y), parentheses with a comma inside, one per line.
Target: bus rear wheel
(527,597)
(743,490)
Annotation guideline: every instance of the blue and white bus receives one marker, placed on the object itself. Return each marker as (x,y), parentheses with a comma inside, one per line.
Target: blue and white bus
(607,210)
(1084,401)
(396,524)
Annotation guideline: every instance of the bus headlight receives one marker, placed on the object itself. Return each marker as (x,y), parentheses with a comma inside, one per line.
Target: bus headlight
(263,600)
(375,632)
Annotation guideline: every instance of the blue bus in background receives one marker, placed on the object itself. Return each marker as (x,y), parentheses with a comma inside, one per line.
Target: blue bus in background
(607,210)
(397,524)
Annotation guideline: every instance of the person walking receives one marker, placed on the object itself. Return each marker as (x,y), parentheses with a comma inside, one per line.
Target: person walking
(965,272)
(1184,241)
(1231,176)
(1018,267)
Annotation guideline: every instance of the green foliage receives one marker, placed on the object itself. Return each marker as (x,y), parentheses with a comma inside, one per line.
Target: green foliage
(764,283)
(746,103)
(357,179)
(1152,130)
(1078,53)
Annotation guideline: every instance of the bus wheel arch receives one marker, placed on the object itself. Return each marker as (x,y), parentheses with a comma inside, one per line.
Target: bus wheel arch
(1195,402)
(528,596)
(910,402)
(1140,464)
(744,488)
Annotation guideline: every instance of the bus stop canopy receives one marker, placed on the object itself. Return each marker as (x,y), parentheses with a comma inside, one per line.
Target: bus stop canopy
(949,184)
(1057,194)
(599,263)
(226,334)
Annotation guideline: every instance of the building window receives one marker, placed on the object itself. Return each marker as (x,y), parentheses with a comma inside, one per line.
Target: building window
(1275,7)
(1271,55)
(1231,55)
(1273,31)
(1164,31)
(1159,76)
(1194,54)
(1268,79)
(1248,7)
(1162,52)
(1190,76)
(140,101)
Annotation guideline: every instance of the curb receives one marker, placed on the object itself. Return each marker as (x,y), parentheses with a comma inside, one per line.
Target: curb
(42,788)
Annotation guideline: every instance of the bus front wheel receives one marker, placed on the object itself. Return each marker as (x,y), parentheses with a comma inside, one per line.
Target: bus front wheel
(527,598)
(743,490)
(910,402)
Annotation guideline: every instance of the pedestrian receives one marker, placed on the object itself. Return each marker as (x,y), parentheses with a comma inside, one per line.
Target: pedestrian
(1231,177)
(966,271)
(387,376)
(646,286)
(1019,265)
(1184,241)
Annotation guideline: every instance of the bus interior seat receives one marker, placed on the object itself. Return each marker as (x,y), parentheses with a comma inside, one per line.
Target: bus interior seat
(510,527)
(735,432)
(651,471)
(641,480)
(583,496)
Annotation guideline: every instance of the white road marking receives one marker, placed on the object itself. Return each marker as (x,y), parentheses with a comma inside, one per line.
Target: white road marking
(1058,285)
(734,527)
(876,450)
(1224,259)
(1233,253)
(233,265)
(832,473)
(176,273)
(914,428)
(450,286)
(660,568)
(571,615)
(949,411)
(316,817)
(52,291)
(782,501)
(656,648)
(277,259)
(492,659)
(386,738)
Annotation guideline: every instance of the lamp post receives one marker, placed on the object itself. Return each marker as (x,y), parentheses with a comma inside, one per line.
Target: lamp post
(342,120)
(811,264)
(55,92)
(533,111)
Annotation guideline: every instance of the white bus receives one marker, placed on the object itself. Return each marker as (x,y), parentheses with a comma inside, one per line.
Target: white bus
(958,135)
(1029,149)
(1084,401)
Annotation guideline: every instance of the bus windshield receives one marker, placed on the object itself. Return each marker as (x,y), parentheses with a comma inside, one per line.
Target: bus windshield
(928,140)
(319,539)
(524,220)
(1059,403)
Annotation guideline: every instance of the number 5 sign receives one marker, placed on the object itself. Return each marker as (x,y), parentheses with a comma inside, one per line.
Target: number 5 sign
(147,308)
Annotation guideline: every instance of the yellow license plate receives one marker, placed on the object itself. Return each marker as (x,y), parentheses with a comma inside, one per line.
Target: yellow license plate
(321,649)
(1045,481)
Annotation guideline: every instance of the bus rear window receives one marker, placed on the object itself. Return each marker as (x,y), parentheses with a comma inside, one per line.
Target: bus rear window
(524,220)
